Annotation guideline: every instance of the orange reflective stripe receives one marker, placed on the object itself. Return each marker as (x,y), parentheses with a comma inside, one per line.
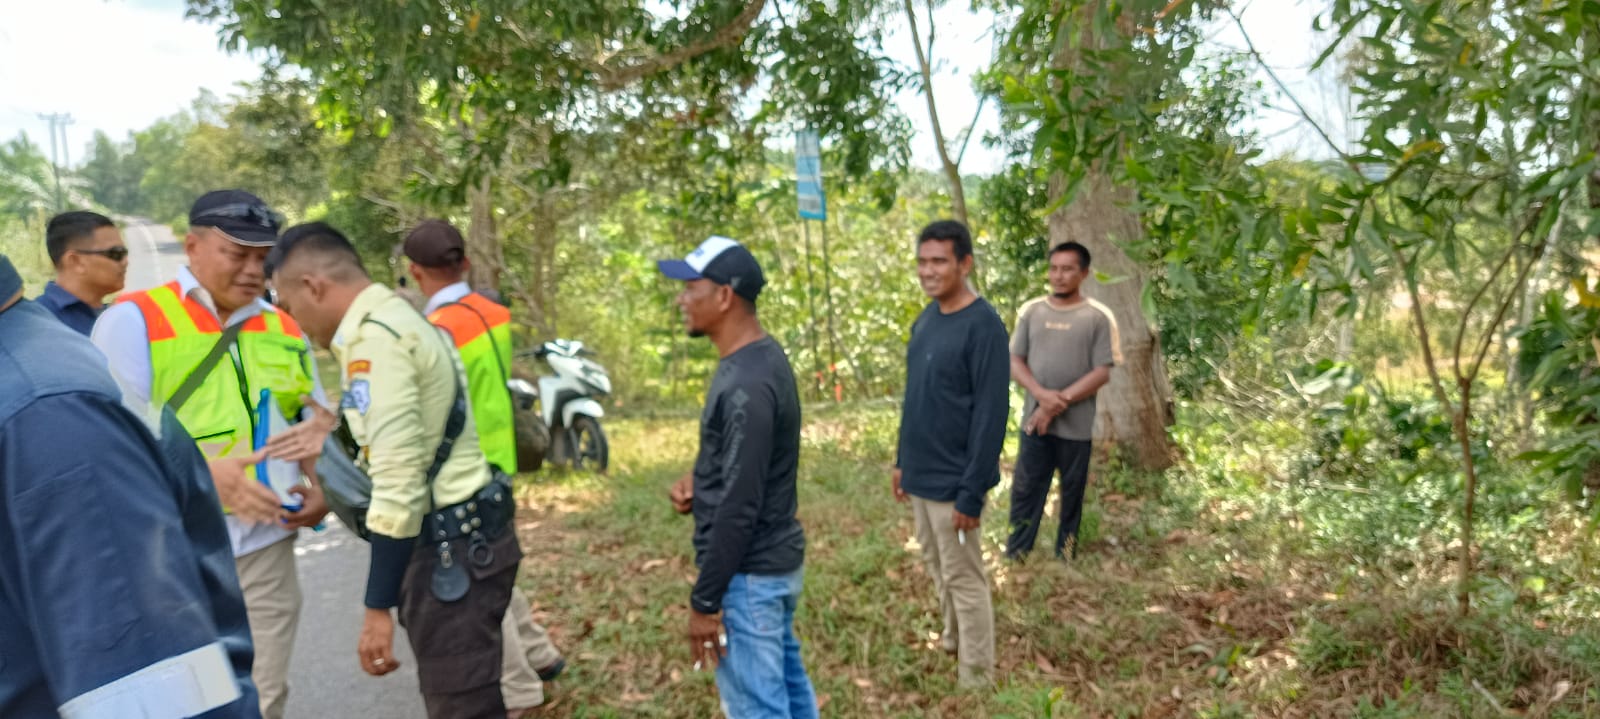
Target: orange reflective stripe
(257,323)
(290,327)
(156,325)
(201,317)
(463,326)
(466,324)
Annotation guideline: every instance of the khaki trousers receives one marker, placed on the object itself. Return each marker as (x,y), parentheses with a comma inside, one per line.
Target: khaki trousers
(963,588)
(527,649)
(272,602)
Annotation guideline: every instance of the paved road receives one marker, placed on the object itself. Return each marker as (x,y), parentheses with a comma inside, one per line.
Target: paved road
(154,254)
(324,678)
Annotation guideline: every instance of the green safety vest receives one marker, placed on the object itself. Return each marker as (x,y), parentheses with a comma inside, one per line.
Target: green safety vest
(271,354)
(481,329)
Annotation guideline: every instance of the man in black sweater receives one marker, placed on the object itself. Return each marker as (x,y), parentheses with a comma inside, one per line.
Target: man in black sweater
(952,425)
(747,540)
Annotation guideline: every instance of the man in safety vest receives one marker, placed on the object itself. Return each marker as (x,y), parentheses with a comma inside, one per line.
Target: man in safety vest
(481,329)
(208,345)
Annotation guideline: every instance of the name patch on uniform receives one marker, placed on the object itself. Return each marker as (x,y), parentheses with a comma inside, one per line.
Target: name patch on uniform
(358,367)
(358,397)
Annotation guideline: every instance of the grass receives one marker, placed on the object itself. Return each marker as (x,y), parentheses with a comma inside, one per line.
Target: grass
(1212,591)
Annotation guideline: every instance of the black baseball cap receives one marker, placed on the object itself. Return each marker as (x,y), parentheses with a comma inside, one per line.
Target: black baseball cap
(435,243)
(723,261)
(239,216)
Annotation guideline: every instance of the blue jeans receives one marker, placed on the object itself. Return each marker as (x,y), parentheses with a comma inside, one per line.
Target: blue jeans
(762,676)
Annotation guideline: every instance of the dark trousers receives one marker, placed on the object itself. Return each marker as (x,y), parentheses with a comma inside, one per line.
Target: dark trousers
(457,644)
(1038,459)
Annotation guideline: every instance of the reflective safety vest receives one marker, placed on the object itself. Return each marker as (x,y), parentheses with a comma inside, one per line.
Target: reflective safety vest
(481,329)
(270,354)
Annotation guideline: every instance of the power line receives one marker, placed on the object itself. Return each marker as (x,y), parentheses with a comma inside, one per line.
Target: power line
(58,158)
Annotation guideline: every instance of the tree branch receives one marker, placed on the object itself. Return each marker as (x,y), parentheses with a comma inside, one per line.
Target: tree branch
(1421,322)
(613,78)
(952,171)
(1505,305)
(1304,114)
(971,129)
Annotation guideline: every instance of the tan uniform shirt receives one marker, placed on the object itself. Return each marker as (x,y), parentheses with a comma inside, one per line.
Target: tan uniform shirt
(399,375)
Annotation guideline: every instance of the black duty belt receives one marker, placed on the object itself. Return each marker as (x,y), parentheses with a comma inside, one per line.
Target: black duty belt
(479,520)
(486,513)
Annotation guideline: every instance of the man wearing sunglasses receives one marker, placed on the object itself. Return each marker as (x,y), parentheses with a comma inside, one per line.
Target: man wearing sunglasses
(91,264)
(208,345)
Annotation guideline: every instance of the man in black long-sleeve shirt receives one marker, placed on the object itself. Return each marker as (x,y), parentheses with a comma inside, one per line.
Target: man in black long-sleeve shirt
(747,541)
(952,425)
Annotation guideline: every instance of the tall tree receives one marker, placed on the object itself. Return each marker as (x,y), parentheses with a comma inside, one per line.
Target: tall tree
(951,163)
(513,71)
(1091,79)
(1479,129)
(111,174)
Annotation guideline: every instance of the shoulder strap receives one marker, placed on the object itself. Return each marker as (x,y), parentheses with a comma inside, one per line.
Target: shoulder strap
(452,432)
(457,421)
(488,329)
(197,376)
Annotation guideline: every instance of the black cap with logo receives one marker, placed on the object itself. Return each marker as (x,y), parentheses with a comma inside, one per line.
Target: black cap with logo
(723,261)
(239,216)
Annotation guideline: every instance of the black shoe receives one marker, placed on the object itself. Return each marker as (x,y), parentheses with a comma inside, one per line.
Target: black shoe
(549,673)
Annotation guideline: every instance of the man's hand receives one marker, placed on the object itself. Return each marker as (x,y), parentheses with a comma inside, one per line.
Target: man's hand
(313,507)
(707,644)
(1051,402)
(240,493)
(963,522)
(376,647)
(899,494)
(1038,422)
(682,494)
(304,440)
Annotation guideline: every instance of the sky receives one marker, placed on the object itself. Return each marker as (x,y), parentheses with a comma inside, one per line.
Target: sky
(135,61)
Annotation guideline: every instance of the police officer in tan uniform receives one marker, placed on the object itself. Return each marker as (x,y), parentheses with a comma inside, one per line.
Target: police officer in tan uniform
(443,549)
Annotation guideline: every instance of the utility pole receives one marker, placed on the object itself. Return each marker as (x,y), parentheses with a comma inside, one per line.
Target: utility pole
(58,129)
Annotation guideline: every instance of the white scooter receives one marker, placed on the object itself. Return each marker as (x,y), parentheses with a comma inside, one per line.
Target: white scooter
(567,403)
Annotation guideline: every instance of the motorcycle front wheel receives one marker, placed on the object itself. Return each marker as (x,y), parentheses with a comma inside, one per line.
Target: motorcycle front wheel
(588,442)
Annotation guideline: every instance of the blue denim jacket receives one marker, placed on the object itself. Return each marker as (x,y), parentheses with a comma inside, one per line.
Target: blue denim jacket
(118,593)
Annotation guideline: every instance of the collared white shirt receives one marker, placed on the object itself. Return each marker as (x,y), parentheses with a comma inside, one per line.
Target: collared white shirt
(451,293)
(122,337)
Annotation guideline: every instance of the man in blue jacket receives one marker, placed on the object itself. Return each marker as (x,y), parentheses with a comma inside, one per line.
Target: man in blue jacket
(118,595)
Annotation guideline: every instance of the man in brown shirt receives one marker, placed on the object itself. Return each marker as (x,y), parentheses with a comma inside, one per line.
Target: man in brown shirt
(1062,351)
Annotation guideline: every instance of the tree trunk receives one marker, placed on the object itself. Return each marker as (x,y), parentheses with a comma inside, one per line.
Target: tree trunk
(952,169)
(1463,429)
(1134,408)
(483,246)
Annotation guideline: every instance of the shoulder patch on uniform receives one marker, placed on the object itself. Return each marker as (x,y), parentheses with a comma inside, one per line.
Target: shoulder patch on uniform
(358,367)
(358,397)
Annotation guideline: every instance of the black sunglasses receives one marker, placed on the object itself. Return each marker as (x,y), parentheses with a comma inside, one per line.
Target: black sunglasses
(115,254)
(259,215)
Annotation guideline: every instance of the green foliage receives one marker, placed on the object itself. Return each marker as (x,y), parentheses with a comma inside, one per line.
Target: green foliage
(268,142)
(613,297)
(1557,355)
(23,243)
(27,181)
(1214,591)
(510,72)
